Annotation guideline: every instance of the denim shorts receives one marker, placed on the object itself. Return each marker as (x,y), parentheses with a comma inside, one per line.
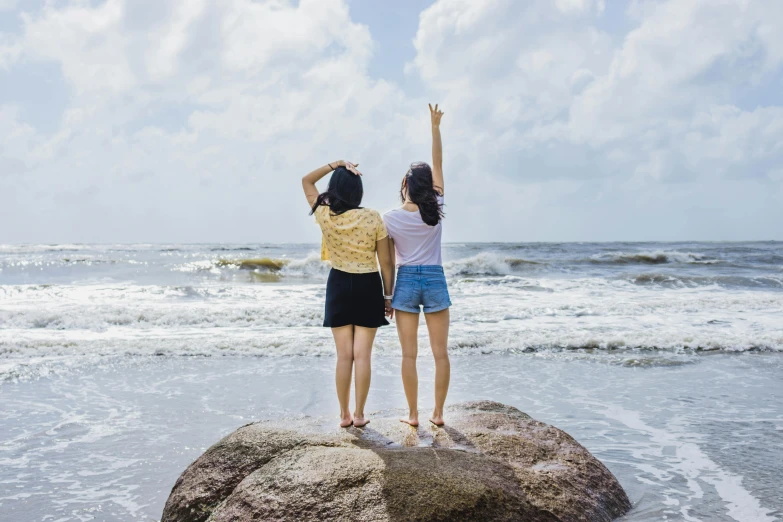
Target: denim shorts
(421,285)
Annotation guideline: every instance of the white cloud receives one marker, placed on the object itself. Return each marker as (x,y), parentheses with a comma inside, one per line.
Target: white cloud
(87,42)
(255,34)
(578,6)
(10,52)
(542,93)
(675,63)
(185,118)
(527,59)
(284,89)
(170,39)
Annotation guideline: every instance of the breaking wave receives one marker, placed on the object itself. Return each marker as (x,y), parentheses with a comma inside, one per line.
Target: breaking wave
(486,264)
(726,281)
(263,263)
(69,306)
(308,267)
(652,258)
(30,358)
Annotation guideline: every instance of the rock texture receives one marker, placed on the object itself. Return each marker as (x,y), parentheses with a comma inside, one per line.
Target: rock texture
(490,462)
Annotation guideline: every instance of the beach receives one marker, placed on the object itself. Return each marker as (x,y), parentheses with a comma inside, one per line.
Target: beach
(120,364)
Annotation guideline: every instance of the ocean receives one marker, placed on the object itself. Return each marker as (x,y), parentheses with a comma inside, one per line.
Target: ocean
(120,364)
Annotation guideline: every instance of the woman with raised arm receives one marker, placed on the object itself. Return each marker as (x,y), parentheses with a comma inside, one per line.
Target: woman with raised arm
(415,229)
(355,303)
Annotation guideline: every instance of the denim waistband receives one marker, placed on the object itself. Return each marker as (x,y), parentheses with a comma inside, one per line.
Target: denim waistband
(420,269)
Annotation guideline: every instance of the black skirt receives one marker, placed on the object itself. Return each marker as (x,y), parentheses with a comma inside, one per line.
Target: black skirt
(354,299)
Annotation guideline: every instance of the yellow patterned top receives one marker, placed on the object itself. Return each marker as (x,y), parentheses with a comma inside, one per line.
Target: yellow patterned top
(349,239)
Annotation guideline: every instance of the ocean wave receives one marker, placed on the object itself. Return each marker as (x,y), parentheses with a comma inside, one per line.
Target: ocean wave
(144,308)
(261,263)
(687,281)
(652,258)
(49,329)
(487,264)
(27,357)
(30,248)
(64,261)
(310,266)
(485,299)
(23,248)
(506,281)
(39,263)
(767,259)
(92,261)
(598,346)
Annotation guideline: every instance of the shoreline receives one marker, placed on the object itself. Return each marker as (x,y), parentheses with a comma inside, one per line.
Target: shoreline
(136,426)
(20,370)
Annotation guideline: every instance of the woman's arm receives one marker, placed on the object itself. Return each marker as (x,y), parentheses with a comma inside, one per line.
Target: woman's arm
(437,149)
(309,181)
(385,250)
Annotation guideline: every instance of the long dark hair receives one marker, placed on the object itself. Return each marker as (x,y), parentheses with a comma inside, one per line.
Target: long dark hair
(417,185)
(344,192)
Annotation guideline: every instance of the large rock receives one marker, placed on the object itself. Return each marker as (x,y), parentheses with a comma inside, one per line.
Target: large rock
(490,462)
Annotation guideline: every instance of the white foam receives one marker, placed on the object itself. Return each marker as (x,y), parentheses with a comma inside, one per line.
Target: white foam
(693,465)
(487,264)
(51,329)
(310,266)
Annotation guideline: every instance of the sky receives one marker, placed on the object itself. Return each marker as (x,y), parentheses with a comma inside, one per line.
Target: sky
(565,120)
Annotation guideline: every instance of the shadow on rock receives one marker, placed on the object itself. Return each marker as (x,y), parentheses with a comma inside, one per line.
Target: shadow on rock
(435,483)
(491,462)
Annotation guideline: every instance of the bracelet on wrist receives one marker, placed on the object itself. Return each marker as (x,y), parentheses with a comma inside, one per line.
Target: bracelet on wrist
(388,297)
(330,166)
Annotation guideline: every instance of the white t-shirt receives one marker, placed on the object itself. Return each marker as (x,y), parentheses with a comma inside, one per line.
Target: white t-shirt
(415,242)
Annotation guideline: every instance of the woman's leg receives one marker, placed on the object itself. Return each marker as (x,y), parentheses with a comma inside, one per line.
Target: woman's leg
(362,352)
(408,330)
(343,340)
(438,328)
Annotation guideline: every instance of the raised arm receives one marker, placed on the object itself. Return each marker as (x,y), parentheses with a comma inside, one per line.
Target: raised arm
(437,149)
(309,180)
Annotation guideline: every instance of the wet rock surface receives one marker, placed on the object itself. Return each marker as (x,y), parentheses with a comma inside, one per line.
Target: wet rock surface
(490,462)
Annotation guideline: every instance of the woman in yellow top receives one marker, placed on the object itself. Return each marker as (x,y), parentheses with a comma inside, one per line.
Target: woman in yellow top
(355,301)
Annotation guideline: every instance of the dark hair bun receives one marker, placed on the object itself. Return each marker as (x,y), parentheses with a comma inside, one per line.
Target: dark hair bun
(344,193)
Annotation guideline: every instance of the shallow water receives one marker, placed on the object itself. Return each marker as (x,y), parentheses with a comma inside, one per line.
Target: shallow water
(698,437)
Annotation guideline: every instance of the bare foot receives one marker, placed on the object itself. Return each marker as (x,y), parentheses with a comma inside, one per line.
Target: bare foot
(345,421)
(360,421)
(413,420)
(437,420)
